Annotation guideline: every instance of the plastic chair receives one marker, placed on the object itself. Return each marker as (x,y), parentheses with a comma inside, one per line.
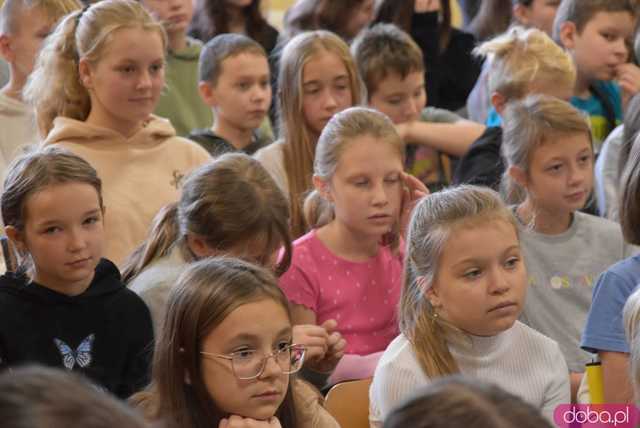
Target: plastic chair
(348,403)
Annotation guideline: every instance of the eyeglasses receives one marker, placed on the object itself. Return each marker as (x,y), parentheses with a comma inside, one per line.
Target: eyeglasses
(250,364)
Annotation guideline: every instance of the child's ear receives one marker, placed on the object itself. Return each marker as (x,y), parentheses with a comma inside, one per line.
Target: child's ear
(567,35)
(521,14)
(84,72)
(498,101)
(207,93)
(322,187)
(16,237)
(198,245)
(6,50)
(518,175)
(432,295)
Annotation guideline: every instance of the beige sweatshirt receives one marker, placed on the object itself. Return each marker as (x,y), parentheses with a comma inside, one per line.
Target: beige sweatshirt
(139,174)
(17,128)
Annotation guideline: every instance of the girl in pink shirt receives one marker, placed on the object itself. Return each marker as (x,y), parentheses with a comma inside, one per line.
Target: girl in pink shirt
(349,267)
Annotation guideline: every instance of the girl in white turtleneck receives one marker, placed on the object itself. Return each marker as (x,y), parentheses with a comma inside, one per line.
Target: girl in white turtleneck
(464,288)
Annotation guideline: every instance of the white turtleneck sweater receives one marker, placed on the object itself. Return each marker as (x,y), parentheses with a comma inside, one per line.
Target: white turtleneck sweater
(519,360)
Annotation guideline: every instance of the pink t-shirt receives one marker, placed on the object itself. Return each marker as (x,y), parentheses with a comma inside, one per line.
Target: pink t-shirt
(361,296)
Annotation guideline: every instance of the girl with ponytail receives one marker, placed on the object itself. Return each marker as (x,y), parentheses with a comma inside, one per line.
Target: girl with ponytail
(349,267)
(464,288)
(231,207)
(95,84)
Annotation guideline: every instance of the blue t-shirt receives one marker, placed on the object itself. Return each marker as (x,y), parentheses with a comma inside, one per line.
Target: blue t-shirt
(596,111)
(604,330)
(493,118)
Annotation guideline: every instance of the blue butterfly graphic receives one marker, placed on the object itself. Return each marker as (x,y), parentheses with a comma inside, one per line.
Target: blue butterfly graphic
(82,355)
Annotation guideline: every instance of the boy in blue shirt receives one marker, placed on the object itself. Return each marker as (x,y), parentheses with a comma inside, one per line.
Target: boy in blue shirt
(597,33)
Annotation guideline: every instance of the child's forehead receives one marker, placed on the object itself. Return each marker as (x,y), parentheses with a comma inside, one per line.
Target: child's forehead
(621,20)
(28,17)
(258,320)
(390,74)
(560,144)
(242,56)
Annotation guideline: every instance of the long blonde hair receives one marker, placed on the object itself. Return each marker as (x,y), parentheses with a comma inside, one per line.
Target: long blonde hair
(530,123)
(434,219)
(229,201)
(299,148)
(336,135)
(54,87)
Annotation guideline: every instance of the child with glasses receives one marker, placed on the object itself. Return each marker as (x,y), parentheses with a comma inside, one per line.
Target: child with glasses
(225,354)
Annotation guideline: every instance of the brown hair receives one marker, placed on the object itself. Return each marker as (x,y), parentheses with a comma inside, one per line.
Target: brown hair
(54,87)
(580,12)
(434,219)
(299,147)
(32,172)
(384,49)
(205,294)
(336,135)
(400,13)
(211,18)
(493,18)
(40,397)
(461,402)
(330,15)
(629,131)
(230,200)
(630,195)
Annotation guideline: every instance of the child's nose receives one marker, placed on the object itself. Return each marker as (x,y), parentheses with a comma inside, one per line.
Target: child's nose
(499,282)
(76,241)
(411,109)
(621,49)
(271,368)
(577,175)
(330,100)
(144,81)
(380,196)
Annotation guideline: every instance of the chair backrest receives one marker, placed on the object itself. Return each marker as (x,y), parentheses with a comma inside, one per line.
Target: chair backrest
(348,403)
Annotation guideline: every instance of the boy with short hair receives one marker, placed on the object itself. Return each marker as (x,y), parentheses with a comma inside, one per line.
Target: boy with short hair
(235,82)
(180,102)
(522,62)
(597,33)
(392,67)
(24,24)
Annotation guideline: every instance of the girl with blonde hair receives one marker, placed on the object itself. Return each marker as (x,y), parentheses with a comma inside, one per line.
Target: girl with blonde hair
(95,84)
(460,304)
(349,266)
(318,78)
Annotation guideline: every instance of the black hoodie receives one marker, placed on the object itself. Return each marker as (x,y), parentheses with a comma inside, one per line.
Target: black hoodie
(104,333)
